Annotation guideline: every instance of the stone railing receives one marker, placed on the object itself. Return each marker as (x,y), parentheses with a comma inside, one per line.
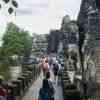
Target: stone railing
(17,88)
(70,90)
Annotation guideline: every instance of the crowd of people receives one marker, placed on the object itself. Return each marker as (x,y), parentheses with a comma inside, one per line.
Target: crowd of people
(50,69)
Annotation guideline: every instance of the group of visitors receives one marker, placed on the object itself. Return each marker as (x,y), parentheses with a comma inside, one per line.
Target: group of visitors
(49,68)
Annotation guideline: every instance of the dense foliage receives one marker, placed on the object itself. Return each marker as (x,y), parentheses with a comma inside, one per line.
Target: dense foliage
(16,42)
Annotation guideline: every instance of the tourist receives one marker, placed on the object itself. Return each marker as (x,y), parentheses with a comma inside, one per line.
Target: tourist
(59,73)
(3,92)
(55,71)
(47,90)
(45,67)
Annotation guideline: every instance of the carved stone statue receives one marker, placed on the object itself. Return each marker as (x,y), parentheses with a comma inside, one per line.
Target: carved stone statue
(69,37)
(89,21)
(88,8)
(65,24)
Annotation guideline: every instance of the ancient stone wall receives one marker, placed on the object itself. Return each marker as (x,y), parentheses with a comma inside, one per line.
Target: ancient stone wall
(89,19)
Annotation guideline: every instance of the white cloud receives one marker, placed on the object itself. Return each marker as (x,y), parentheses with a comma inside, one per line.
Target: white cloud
(40,16)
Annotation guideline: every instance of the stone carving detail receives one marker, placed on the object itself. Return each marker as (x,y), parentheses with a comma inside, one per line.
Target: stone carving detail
(89,20)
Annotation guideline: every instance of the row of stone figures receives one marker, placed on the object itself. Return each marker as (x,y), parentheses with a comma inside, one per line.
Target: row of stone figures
(83,33)
(66,41)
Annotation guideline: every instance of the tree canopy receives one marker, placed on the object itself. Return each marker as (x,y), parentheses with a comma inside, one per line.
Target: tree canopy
(16,41)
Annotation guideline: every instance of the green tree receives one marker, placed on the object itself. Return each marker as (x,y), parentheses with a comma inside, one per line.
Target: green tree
(26,40)
(16,41)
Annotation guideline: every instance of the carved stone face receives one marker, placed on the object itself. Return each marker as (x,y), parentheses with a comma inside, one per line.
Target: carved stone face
(73,28)
(66,19)
(65,23)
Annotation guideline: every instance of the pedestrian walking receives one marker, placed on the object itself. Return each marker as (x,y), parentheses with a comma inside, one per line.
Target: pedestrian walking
(59,73)
(44,65)
(47,90)
(55,71)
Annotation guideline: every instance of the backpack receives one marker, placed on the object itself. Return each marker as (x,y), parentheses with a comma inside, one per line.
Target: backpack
(51,89)
(47,93)
(43,95)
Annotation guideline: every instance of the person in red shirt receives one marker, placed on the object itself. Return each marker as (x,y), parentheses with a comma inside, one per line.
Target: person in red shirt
(44,65)
(3,92)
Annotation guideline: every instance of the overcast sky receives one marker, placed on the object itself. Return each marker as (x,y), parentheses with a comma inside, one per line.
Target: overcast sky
(39,16)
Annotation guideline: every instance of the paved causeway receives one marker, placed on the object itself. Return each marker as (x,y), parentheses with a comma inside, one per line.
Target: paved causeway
(33,91)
